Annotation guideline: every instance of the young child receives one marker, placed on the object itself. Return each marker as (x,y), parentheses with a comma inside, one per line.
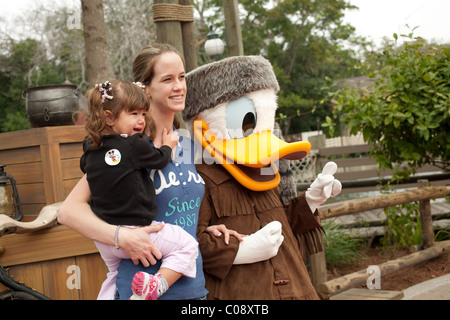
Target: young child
(116,161)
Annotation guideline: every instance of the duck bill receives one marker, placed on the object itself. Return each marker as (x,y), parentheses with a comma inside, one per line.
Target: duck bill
(250,160)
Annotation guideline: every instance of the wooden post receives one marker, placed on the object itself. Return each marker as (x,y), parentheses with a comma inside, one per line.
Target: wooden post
(233,28)
(97,61)
(190,52)
(174,21)
(426,219)
(318,268)
(169,31)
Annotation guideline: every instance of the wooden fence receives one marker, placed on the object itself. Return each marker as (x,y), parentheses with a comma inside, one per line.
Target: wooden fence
(430,249)
(357,171)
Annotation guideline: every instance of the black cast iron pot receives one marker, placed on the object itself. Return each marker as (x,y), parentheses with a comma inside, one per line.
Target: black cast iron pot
(52,105)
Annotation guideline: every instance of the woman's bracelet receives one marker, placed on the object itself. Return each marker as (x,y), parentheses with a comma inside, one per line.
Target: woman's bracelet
(116,238)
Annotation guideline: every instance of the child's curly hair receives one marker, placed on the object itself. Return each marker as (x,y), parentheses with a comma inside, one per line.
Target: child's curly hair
(126,96)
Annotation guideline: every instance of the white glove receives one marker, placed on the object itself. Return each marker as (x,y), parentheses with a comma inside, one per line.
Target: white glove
(261,245)
(323,187)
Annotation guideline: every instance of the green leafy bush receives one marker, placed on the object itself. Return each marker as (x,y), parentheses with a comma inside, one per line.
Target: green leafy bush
(405,113)
(403,227)
(340,248)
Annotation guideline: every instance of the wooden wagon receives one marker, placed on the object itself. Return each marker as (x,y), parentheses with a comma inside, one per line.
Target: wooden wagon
(55,261)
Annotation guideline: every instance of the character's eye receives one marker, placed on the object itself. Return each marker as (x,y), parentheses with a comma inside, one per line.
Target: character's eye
(241,118)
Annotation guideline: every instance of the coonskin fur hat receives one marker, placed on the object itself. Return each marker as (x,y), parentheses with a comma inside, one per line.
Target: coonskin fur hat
(226,80)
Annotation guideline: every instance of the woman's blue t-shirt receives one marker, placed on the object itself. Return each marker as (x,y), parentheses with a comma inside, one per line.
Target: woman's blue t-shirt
(179,192)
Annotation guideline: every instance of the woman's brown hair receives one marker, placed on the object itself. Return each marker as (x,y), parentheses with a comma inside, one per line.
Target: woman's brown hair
(144,68)
(124,96)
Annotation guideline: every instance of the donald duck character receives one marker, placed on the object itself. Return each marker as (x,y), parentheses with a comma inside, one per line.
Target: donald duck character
(230,110)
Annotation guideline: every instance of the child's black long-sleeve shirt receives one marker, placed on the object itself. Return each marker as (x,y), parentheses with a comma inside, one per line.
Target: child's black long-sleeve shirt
(122,192)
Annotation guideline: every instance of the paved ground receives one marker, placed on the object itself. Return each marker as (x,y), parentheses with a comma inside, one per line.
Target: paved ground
(434,289)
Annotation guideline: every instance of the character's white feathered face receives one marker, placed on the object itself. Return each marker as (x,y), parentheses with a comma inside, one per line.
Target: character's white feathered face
(238,134)
(252,113)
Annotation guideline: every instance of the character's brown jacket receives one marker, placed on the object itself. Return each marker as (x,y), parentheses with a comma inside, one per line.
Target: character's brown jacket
(281,277)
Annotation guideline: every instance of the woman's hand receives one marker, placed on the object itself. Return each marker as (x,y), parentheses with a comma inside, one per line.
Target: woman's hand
(137,244)
(220,229)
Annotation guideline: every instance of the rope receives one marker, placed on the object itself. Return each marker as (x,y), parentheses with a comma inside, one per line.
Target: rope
(172,12)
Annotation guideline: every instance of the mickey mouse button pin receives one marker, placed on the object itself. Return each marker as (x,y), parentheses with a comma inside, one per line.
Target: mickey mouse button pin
(112,157)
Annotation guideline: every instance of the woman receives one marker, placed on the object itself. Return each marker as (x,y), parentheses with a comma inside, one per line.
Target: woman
(179,188)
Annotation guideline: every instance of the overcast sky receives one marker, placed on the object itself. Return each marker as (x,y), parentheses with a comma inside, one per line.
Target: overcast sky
(375,19)
(378,18)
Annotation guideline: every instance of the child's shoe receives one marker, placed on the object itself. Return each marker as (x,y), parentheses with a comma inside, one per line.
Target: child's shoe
(144,286)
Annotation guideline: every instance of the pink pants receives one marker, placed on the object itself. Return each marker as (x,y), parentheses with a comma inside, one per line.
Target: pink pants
(178,248)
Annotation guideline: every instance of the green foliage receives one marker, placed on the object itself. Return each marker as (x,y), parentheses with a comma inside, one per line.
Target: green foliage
(340,248)
(442,235)
(19,73)
(12,82)
(403,227)
(29,63)
(405,113)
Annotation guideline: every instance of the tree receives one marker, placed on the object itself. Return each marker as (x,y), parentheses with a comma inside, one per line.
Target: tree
(304,40)
(129,27)
(405,114)
(97,59)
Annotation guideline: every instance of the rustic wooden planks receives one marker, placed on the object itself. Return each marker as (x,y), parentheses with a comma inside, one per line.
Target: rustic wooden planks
(44,162)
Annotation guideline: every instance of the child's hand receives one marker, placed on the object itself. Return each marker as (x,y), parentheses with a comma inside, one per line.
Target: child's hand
(170,138)
(220,229)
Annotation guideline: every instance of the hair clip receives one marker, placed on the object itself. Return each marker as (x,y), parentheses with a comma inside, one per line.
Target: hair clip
(139,84)
(104,88)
